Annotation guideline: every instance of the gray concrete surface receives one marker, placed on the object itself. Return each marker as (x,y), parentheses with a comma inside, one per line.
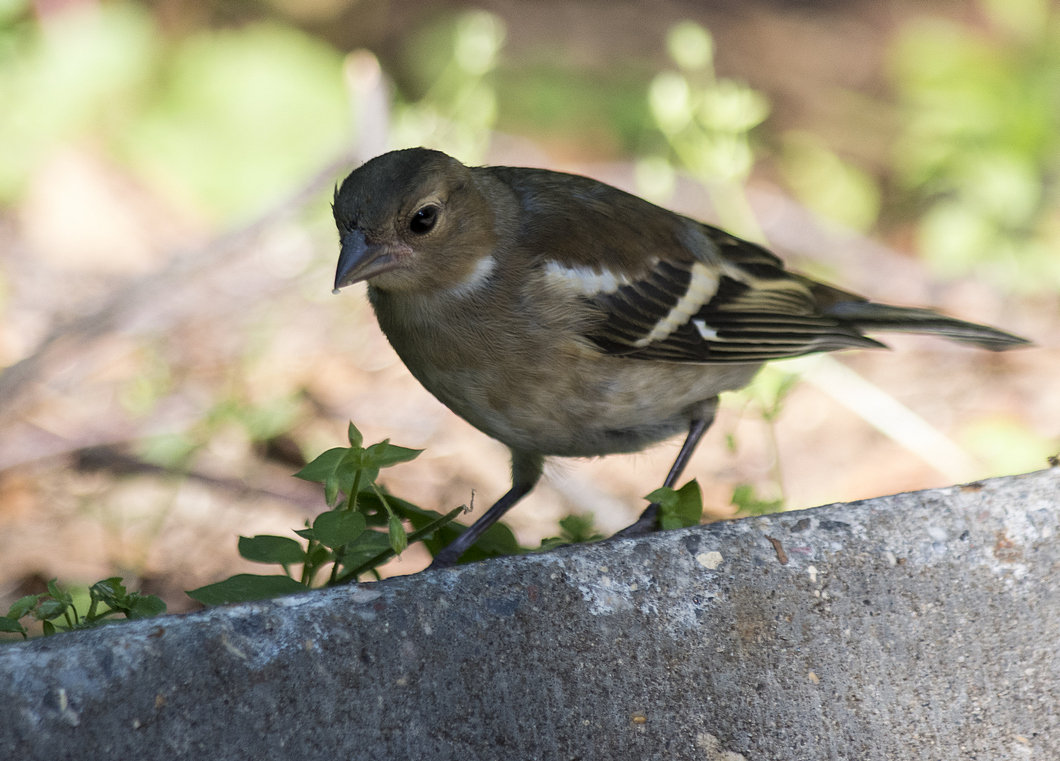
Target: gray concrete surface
(918,626)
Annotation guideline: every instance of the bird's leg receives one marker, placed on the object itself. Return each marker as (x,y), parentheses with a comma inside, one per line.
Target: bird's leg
(649,519)
(526,470)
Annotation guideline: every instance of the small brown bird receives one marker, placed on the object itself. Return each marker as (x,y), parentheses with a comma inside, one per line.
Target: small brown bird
(562,316)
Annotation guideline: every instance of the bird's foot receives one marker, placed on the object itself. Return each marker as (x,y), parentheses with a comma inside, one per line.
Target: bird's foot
(647,523)
(445,559)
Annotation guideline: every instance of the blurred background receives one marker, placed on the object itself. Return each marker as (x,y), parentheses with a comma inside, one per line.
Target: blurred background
(172,352)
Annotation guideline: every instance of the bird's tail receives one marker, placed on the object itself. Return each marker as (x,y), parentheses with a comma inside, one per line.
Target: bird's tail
(868,316)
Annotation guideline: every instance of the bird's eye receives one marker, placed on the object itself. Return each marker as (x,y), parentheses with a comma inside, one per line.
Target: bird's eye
(424,219)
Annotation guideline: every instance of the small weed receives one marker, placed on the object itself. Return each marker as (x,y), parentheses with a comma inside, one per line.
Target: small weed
(57,610)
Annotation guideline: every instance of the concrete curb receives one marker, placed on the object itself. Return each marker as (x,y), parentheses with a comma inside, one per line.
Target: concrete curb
(916,626)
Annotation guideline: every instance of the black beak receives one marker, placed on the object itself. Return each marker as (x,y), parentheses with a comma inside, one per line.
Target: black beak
(360,260)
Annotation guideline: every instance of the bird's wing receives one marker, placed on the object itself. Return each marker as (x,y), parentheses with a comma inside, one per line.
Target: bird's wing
(738,306)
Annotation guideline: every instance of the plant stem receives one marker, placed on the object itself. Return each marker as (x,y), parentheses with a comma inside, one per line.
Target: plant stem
(386,554)
(351,499)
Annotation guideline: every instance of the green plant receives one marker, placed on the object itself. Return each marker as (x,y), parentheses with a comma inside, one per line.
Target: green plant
(573,529)
(58,611)
(678,508)
(365,527)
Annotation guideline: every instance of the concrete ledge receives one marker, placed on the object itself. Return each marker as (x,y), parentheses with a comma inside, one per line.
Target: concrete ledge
(917,626)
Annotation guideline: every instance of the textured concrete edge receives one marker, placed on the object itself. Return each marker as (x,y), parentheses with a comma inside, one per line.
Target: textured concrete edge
(857,517)
(51,686)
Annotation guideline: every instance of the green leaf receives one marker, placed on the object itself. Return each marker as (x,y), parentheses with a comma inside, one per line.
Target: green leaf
(371,550)
(111,592)
(399,539)
(496,542)
(58,593)
(337,468)
(664,496)
(331,491)
(323,466)
(338,527)
(265,548)
(353,462)
(385,454)
(334,468)
(370,504)
(245,587)
(370,546)
(22,606)
(145,606)
(678,508)
(370,542)
(8,624)
(415,514)
(354,436)
(49,609)
(318,556)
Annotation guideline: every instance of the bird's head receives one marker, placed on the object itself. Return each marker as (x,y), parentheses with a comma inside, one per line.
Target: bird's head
(411,220)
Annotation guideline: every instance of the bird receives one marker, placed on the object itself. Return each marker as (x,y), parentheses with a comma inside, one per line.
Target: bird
(565,317)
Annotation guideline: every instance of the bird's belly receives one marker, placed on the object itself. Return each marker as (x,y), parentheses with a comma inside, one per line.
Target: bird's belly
(546,395)
(585,407)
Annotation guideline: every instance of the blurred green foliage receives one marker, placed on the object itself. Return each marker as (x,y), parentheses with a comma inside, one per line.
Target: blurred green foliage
(705,122)
(68,82)
(764,399)
(980,149)
(602,112)
(224,121)
(747,501)
(452,65)
(833,188)
(235,118)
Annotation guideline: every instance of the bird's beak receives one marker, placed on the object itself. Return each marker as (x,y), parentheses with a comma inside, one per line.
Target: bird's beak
(360,260)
